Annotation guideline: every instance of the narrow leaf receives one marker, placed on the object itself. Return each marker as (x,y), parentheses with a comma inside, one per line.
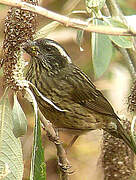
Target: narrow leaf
(38,154)
(44,31)
(11,161)
(19,119)
(79,38)
(101,51)
(38,166)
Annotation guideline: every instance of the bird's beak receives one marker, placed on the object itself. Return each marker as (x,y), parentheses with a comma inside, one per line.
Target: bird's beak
(27,45)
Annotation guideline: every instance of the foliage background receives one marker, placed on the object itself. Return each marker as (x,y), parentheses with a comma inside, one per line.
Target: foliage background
(115,83)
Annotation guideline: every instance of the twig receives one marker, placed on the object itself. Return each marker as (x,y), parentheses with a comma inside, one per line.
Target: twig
(128,54)
(62,159)
(114,10)
(132,55)
(128,60)
(71,22)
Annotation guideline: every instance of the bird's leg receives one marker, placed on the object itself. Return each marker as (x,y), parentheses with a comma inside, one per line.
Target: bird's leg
(71,143)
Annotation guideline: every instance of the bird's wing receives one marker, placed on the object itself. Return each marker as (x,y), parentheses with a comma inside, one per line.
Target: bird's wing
(86,94)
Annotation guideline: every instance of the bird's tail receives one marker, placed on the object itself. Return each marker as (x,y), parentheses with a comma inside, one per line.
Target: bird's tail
(126,136)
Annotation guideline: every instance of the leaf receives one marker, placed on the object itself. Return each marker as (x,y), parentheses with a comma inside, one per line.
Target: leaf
(101,51)
(44,31)
(121,41)
(11,158)
(19,119)
(79,38)
(38,166)
(38,161)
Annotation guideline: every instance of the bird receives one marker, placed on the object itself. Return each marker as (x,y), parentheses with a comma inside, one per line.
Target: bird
(84,107)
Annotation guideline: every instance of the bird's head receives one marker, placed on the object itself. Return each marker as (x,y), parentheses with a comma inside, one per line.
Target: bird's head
(48,53)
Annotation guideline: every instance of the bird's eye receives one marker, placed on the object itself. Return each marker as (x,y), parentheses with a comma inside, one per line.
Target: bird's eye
(33,48)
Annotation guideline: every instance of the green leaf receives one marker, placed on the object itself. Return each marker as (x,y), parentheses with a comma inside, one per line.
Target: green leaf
(19,119)
(79,38)
(121,41)
(38,166)
(11,158)
(101,51)
(115,23)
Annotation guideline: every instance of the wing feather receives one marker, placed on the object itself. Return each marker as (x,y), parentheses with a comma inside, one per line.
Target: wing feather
(86,94)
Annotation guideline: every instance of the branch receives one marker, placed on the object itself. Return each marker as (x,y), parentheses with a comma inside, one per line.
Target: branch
(70,22)
(128,54)
(62,159)
(128,60)
(115,10)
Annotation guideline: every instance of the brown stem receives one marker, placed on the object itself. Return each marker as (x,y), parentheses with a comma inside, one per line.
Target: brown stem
(63,162)
(71,22)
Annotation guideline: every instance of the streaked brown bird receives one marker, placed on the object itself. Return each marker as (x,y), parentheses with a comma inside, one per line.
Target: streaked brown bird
(58,79)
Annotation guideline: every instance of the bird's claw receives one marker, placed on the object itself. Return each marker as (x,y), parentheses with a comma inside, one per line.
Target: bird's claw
(66,168)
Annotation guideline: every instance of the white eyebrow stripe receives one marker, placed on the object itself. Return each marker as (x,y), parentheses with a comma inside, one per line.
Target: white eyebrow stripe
(61,50)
